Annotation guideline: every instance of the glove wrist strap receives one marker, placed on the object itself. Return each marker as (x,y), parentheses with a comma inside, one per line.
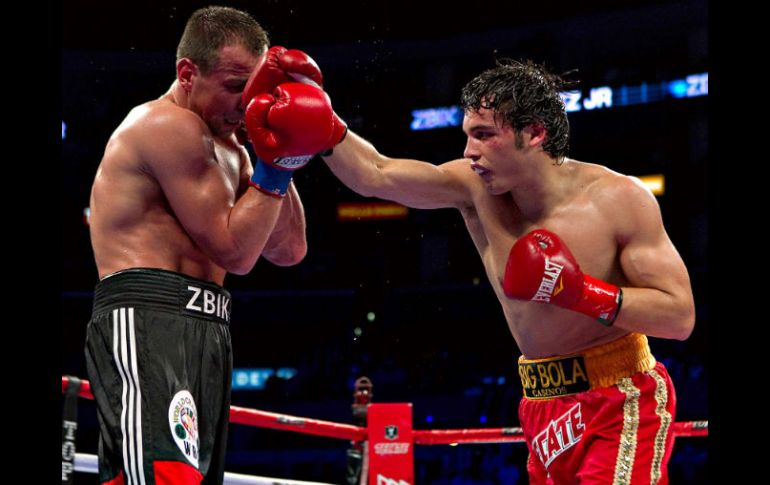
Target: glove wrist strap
(600,300)
(270,180)
(328,152)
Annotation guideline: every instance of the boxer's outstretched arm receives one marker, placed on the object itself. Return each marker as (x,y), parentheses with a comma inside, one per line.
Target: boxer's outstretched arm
(658,300)
(180,155)
(413,183)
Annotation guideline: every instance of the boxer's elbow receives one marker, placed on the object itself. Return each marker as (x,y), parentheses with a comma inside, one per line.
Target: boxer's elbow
(289,255)
(298,254)
(240,266)
(684,321)
(237,260)
(239,271)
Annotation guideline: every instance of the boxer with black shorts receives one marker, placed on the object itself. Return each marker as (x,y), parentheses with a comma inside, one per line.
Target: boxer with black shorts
(160,364)
(597,408)
(175,206)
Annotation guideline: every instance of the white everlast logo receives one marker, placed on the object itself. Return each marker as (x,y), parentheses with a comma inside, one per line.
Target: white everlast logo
(209,303)
(551,274)
(292,163)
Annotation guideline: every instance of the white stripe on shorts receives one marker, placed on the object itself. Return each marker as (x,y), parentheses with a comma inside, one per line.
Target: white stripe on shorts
(124,353)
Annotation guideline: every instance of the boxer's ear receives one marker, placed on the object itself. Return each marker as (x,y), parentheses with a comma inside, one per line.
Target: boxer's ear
(185,71)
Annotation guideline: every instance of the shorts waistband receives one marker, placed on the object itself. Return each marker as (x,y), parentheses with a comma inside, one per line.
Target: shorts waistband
(594,368)
(163,290)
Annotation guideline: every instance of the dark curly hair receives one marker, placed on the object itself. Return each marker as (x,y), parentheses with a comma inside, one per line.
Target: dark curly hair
(523,93)
(211,28)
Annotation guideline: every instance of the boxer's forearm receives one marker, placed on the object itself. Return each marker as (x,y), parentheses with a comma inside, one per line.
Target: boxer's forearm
(656,313)
(413,183)
(358,164)
(244,232)
(287,244)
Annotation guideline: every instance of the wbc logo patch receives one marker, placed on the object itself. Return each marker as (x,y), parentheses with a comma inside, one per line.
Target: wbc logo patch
(183,421)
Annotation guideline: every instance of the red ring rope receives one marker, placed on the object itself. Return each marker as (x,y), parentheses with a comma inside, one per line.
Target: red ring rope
(255,417)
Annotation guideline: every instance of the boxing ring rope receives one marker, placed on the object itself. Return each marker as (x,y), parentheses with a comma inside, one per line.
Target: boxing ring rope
(514,435)
(85,388)
(89,464)
(285,422)
(263,419)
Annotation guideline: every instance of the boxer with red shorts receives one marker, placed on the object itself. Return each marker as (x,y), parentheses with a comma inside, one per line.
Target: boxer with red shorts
(533,214)
(598,416)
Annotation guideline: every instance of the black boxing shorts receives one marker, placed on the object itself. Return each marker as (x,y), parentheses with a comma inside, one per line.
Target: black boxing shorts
(159,358)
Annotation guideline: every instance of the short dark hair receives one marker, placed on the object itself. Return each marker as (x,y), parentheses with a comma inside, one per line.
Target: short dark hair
(211,28)
(523,93)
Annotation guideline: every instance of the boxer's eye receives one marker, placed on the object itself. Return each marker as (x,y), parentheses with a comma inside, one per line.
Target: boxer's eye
(236,87)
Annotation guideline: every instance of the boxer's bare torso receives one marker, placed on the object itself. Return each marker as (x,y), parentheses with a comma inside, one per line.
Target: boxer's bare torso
(132,223)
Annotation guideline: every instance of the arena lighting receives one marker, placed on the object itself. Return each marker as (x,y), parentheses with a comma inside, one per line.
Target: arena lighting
(367,211)
(427,119)
(255,379)
(656,183)
(692,86)
(600,97)
(63,130)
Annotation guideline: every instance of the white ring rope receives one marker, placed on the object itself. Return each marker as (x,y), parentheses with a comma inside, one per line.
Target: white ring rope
(89,464)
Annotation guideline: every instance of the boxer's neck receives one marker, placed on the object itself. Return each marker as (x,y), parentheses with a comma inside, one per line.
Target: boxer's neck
(543,186)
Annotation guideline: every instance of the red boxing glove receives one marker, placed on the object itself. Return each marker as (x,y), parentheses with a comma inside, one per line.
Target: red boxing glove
(339,132)
(291,125)
(541,268)
(281,65)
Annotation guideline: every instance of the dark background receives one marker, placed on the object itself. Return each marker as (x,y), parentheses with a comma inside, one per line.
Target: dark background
(439,339)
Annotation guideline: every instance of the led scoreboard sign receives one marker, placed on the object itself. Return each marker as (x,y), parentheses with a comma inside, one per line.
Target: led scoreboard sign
(601,97)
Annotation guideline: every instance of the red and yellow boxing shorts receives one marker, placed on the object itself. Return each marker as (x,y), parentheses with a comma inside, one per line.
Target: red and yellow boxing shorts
(603,416)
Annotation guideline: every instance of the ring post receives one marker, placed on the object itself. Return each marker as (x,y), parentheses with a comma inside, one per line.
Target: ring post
(391,444)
